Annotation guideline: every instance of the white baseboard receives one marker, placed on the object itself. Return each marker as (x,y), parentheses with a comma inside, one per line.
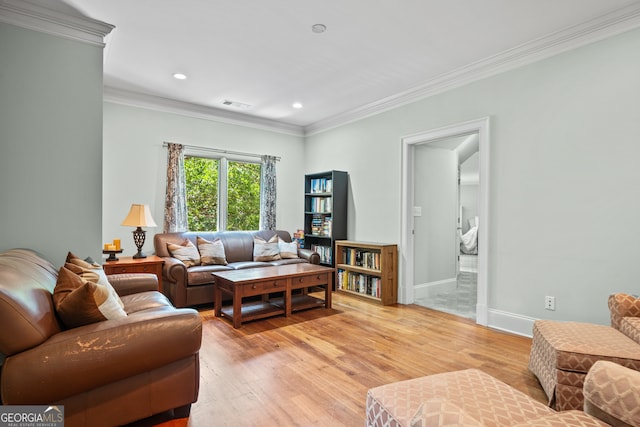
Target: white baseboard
(511,322)
(426,290)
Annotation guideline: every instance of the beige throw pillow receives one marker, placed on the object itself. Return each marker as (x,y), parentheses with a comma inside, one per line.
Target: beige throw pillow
(211,253)
(187,253)
(80,302)
(287,249)
(266,250)
(92,272)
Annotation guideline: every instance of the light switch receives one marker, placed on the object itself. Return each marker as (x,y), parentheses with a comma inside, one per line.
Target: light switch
(417,211)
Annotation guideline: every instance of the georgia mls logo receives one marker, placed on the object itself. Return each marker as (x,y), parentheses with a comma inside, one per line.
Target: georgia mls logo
(31,416)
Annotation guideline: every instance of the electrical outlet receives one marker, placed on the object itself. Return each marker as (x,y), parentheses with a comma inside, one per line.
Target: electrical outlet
(550,303)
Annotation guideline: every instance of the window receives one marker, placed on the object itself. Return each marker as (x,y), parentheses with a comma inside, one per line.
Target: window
(222,194)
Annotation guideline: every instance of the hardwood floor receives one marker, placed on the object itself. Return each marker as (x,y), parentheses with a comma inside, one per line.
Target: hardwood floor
(315,367)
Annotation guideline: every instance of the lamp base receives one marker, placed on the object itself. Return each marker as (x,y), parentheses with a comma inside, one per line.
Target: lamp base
(138,239)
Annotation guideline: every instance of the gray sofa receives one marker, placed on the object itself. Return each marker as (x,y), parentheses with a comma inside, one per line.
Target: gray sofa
(188,286)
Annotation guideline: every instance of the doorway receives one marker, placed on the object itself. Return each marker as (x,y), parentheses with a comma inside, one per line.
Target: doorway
(438,214)
(445,196)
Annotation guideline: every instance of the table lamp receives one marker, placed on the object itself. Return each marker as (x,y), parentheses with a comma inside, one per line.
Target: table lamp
(139,216)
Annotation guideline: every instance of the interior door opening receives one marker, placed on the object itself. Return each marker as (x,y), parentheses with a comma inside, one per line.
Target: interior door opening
(445,228)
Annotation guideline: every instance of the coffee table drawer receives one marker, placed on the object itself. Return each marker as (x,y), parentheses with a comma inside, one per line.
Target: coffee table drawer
(310,280)
(262,287)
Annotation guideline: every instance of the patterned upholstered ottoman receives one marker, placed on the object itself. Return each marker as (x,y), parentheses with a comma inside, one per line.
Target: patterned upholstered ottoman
(563,352)
(473,398)
(468,397)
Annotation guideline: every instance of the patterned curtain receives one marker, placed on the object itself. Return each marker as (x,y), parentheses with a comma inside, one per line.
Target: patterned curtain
(175,205)
(268,193)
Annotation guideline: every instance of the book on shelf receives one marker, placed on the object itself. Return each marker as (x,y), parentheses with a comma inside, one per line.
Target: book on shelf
(361,258)
(325,253)
(320,204)
(358,282)
(321,185)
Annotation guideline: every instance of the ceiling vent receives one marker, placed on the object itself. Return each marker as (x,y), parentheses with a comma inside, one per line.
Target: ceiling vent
(236,104)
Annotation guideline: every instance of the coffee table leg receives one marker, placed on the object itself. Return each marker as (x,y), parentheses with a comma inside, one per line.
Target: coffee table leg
(237,307)
(217,300)
(287,298)
(328,291)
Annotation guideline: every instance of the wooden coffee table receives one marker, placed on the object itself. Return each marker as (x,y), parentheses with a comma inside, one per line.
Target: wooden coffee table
(267,280)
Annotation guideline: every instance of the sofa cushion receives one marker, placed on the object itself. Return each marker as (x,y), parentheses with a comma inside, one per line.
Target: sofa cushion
(143,301)
(241,265)
(81,302)
(201,274)
(211,253)
(287,249)
(264,250)
(611,394)
(630,326)
(92,272)
(185,252)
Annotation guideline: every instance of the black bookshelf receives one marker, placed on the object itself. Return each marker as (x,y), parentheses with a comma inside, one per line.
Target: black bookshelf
(325,212)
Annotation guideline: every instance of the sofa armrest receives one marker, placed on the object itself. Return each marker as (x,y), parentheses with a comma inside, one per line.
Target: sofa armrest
(309,255)
(612,393)
(623,305)
(90,356)
(133,283)
(174,270)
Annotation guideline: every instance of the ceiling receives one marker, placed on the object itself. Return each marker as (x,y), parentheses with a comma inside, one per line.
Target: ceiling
(374,53)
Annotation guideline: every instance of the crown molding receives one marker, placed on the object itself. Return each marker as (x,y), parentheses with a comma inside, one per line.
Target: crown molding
(156,103)
(608,25)
(46,20)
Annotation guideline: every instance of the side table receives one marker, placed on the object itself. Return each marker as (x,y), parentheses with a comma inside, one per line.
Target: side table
(126,264)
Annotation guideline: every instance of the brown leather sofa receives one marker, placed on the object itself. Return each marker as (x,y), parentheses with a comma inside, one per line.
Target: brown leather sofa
(188,286)
(107,373)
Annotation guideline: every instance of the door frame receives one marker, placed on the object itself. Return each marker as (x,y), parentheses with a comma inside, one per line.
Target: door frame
(481,127)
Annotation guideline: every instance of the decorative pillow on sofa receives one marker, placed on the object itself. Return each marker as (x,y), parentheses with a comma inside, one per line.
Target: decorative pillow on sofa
(266,250)
(92,272)
(187,252)
(211,252)
(287,249)
(81,302)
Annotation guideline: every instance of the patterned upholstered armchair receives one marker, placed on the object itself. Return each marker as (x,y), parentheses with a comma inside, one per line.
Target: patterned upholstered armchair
(563,352)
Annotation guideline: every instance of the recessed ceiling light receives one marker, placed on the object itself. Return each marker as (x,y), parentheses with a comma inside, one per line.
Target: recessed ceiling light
(297,105)
(318,28)
(179,76)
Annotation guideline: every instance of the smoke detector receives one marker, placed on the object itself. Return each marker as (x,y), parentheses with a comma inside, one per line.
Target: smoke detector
(318,28)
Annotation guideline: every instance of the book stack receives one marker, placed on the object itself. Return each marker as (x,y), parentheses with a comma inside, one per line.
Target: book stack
(320,204)
(361,258)
(298,237)
(321,185)
(360,283)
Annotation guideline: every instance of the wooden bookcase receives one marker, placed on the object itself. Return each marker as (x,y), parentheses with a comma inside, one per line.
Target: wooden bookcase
(367,270)
(325,212)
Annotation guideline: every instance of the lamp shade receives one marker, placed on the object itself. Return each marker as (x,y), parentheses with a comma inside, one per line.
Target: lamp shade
(139,216)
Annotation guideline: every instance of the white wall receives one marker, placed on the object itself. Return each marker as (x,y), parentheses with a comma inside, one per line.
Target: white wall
(564,174)
(435,192)
(135,164)
(51,142)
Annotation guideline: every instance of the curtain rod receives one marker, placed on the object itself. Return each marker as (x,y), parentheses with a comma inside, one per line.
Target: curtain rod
(216,150)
